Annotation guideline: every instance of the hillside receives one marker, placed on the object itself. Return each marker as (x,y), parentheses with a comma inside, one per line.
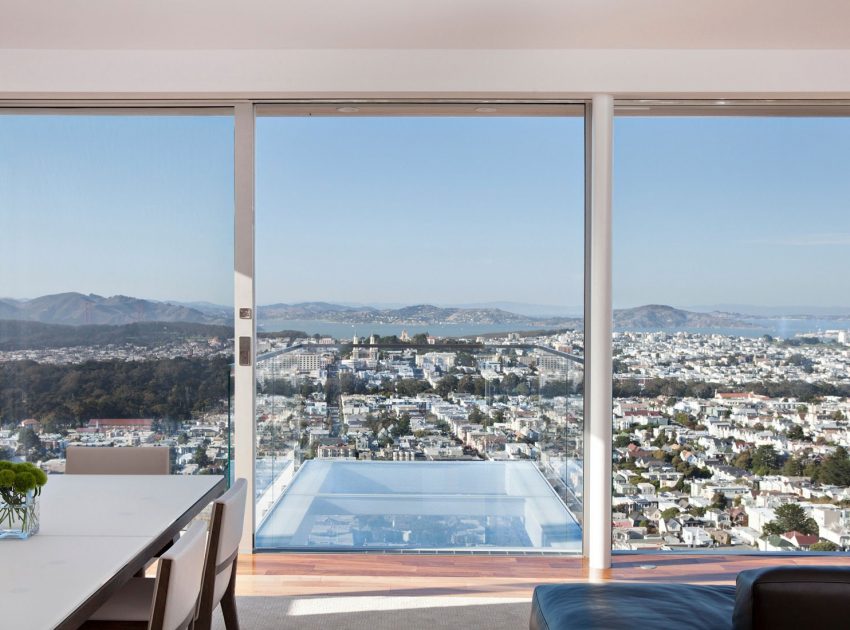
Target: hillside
(76,309)
(657,317)
(419,314)
(648,317)
(23,335)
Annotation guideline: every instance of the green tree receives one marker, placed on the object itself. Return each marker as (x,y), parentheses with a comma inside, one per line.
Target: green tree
(447,385)
(793,467)
(835,468)
(30,444)
(795,433)
(509,383)
(695,472)
(201,458)
(331,390)
(683,419)
(791,517)
(411,386)
(442,426)
(347,383)
(671,512)
(824,545)
(719,501)
(812,470)
(765,460)
(402,427)
(622,440)
(165,389)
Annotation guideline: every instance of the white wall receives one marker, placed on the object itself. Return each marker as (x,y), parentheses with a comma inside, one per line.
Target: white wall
(410,73)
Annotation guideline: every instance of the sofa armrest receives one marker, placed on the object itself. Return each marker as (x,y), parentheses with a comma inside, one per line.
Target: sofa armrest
(792,597)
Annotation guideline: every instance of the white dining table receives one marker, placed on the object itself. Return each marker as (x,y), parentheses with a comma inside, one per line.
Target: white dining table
(96,532)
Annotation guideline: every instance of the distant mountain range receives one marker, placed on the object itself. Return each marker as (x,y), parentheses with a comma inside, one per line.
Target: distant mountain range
(417,315)
(639,318)
(77,309)
(658,316)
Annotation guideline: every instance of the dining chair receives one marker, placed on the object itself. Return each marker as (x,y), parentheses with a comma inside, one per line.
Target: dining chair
(219,581)
(125,460)
(167,602)
(129,460)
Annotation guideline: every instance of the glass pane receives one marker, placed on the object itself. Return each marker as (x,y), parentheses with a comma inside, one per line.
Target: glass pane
(731,382)
(116,275)
(419,376)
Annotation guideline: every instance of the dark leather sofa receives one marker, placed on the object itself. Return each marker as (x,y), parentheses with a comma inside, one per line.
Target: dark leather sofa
(775,598)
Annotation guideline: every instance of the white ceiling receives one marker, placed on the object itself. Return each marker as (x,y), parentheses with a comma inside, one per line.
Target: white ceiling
(426,24)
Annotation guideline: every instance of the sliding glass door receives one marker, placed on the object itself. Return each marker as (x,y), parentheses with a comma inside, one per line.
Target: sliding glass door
(420,276)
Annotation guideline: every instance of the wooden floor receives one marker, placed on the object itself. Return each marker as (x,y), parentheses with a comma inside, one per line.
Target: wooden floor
(492,576)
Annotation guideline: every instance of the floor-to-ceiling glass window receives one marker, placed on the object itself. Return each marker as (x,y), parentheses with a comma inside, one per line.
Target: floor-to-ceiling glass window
(116,283)
(732,320)
(420,277)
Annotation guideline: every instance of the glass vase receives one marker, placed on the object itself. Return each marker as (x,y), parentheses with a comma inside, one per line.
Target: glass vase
(18,515)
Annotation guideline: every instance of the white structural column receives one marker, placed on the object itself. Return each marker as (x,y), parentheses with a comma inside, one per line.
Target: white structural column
(598,331)
(245,321)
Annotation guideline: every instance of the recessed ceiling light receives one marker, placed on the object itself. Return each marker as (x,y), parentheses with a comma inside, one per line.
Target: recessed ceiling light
(486,110)
(348,110)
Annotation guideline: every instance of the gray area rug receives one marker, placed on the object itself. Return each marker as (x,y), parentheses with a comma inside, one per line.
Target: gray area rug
(377,613)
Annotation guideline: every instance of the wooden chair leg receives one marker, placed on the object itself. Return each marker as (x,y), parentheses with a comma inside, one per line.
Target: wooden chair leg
(204,619)
(228,602)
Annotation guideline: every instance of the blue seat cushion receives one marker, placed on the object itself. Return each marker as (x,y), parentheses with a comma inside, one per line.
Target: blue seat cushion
(631,605)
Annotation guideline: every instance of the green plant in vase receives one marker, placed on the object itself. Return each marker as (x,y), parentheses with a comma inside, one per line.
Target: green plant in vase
(20,486)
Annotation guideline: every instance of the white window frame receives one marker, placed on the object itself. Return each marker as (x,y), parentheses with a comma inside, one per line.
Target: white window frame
(598,120)
(600,111)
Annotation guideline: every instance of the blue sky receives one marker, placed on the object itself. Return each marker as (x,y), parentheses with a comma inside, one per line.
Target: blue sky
(440,210)
(420,210)
(139,206)
(732,210)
